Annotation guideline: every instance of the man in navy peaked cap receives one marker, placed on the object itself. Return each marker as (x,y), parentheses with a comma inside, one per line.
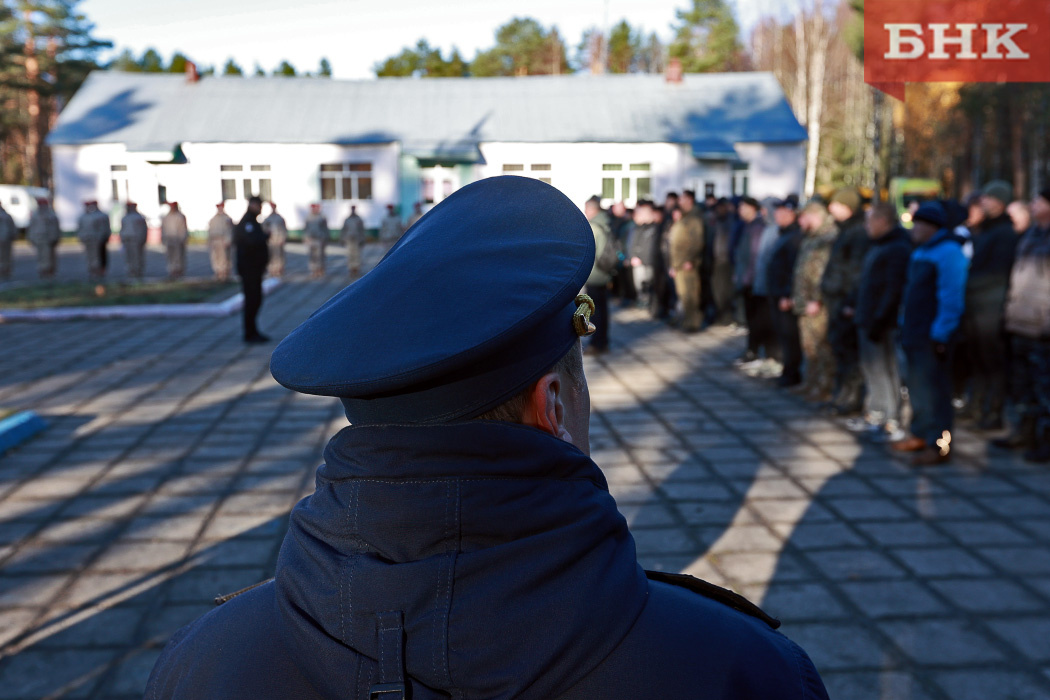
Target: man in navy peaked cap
(460,541)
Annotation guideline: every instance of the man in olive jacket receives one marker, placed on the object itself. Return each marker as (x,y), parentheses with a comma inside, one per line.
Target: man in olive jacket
(687,255)
(600,277)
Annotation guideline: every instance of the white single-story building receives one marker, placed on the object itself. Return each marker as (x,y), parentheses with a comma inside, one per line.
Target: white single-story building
(157,138)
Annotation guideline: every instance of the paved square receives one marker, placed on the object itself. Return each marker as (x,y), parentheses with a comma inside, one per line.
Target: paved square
(173,459)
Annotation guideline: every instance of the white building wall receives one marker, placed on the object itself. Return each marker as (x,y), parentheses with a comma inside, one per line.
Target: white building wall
(294,174)
(84,172)
(775,169)
(698,174)
(576,168)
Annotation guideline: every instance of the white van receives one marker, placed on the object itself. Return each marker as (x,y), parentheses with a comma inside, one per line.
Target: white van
(20,201)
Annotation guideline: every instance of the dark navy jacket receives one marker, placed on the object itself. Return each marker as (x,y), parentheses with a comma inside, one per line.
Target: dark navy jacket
(500,553)
(935,295)
(780,275)
(994,249)
(882,283)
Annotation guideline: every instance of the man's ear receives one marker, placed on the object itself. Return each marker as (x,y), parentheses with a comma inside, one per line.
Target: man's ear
(544,410)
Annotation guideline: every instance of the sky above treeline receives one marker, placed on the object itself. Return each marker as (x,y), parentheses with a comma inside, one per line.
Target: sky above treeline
(356,34)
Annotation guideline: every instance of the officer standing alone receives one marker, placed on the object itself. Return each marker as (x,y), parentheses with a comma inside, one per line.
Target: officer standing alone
(253,255)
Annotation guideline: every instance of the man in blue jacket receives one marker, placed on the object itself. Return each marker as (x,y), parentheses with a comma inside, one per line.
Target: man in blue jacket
(460,542)
(934,298)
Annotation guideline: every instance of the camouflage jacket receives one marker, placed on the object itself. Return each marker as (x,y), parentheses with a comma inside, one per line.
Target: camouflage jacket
(812,260)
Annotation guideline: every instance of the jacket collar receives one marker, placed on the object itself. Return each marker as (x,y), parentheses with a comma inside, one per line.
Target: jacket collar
(500,544)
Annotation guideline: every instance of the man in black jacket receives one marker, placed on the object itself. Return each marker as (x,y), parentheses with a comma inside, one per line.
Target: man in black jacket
(878,302)
(780,278)
(839,286)
(994,248)
(253,255)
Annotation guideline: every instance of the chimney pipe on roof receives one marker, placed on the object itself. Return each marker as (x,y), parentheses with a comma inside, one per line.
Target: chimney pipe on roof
(673,73)
(192,76)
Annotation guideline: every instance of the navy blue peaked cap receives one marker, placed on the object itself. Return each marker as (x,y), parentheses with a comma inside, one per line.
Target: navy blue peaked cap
(473,304)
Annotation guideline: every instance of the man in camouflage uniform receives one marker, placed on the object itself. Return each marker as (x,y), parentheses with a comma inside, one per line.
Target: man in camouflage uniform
(353,237)
(390,228)
(316,234)
(819,234)
(174,234)
(687,250)
(8,231)
(276,231)
(133,237)
(90,233)
(220,241)
(44,234)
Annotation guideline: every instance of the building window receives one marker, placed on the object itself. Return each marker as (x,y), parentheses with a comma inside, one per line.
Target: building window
(537,171)
(740,183)
(709,189)
(118,182)
(229,183)
(354,181)
(162,194)
(633,183)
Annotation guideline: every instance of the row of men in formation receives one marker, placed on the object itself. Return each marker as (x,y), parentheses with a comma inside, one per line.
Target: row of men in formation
(840,301)
(94,231)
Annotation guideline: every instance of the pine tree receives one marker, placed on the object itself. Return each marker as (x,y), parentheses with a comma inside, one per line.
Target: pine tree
(624,47)
(707,38)
(285,69)
(231,68)
(523,47)
(151,62)
(325,70)
(57,53)
(178,63)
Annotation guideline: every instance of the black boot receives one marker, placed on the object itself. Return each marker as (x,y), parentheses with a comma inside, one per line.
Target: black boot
(1022,436)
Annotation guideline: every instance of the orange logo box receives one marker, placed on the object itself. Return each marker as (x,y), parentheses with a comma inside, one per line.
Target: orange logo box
(992,41)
